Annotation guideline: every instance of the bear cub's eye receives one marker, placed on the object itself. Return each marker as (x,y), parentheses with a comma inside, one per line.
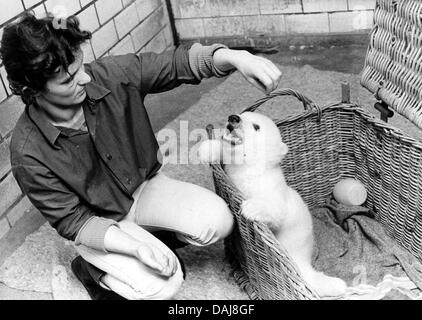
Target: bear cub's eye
(256,127)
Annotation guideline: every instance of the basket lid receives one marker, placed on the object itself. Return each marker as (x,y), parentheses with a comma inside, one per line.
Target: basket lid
(393,64)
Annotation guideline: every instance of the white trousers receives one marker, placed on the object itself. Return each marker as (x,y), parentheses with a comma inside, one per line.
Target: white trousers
(197,215)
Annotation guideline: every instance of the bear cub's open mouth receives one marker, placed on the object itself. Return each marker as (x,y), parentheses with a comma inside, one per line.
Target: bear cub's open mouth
(233,131)
(232,138)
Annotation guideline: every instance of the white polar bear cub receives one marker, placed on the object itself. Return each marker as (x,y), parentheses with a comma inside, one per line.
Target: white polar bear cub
(251,151)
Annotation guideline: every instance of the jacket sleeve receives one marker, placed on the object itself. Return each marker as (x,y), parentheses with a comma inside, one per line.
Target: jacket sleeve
(60,206)
(201,61)
(154,73)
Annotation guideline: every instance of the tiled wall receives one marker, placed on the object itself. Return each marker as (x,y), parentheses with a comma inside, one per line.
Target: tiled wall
(118,26)
(204,19)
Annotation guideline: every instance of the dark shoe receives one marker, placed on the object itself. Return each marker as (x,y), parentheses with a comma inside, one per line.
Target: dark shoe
(89,276)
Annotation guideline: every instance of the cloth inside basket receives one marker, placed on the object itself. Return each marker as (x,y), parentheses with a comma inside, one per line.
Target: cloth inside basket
(352,245)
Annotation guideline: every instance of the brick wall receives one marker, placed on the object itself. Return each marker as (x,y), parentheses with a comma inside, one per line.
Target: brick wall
(269,19)
(118,26)
(121,26)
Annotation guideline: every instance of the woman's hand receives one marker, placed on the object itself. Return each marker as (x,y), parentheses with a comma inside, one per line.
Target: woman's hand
(118,241)
(259,71)
(150,255)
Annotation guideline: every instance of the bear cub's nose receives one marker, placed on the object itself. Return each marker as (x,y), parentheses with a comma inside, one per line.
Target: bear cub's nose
(234,119)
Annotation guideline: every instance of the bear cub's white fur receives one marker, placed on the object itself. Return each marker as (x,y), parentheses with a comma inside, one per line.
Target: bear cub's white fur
(251,151)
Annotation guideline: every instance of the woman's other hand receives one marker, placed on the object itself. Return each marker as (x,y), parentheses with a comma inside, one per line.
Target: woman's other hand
(259,71)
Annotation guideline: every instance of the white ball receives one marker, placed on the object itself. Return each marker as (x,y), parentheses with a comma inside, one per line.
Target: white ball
(350,192)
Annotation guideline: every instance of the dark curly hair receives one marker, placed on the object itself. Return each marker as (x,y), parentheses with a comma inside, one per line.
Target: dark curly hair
(32,49)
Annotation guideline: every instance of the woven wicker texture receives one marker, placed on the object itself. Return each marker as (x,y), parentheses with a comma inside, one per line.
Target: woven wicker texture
(325,145)
(339,141)
(393,65)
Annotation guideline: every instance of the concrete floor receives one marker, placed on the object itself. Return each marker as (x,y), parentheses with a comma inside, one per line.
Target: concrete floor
(164,107)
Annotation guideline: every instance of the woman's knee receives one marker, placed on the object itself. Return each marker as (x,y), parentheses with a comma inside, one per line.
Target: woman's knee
(220,220)
(216,224)
(223,220)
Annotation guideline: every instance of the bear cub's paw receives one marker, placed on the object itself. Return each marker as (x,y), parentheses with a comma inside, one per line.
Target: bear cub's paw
(328,287)
(256,210)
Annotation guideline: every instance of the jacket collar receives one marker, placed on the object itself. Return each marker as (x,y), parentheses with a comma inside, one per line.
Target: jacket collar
(49,131)
(94,92)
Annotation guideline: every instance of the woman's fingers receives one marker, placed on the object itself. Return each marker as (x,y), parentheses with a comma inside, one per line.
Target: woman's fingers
(174,263)
(172,260)
(148,257)
(260,71)
(257,83)
(168,262)
(273,72)
(274,68)
(154,258)
(263,80)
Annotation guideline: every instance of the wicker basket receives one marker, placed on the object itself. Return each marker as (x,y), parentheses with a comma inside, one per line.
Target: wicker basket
(338,141)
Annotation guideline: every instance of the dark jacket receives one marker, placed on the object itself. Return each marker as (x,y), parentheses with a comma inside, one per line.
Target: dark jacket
(71,176)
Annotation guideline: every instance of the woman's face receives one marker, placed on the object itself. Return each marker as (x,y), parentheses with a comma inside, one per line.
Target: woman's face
(67,88)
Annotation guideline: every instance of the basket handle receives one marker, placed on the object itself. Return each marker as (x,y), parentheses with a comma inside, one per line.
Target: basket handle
(307,103)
